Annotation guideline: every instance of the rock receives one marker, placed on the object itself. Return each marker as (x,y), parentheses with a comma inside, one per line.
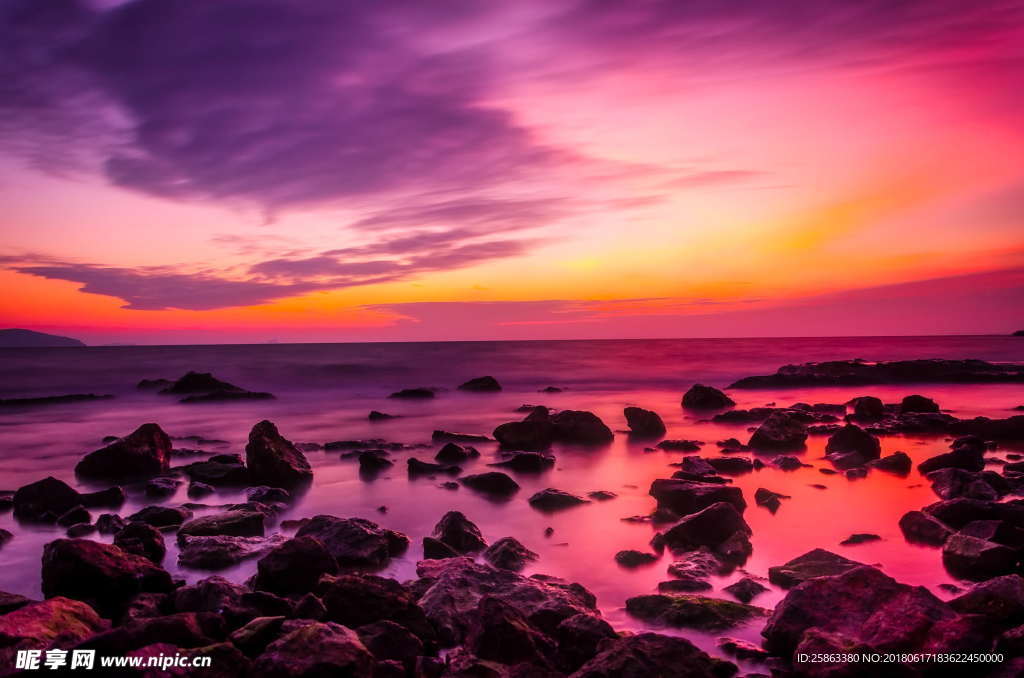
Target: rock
(162,487)
(746,589)
(859,538)
(579,638)
(768,499)
(144,453)
(998,531)
(161,516)
(273,459)
(867,408)
(268,495)
(294,566)
(897,462)
(74,532)
(48,499)
(741,649)
(452,453)
(973,558)
(601,495)
(684,496)
(852,444)
(530,434)
(198,490)
(528,462)
(551,499)
(500,633)
(701,397)
(219,471)
(78,514)
(9,602)
(413,394)
(198,382)
(101,575)
(451,437)
(231,523)
(55,623)
(950,483)
(372,462)
(711,527)
(918,403)
(652,654)
(644,423)
(142,540)
(919,527)
(314,650)
(731,465)
(357,600)
(435,549)
(811,565)
(481,385)
(215,552)
(424,468)
(631,558)
(962,459)
(355,542)
(956,513)
(494,483)
(685,585)
(859,373)
(452,588)
(691,611)
(787,463)
(109,523)
(310,607)
(379,416)
(460,533)
(254,637)
(181,630)
(576,427)
(389,641)
(694,567)
(509,554)
(780,431)
(679,445)
(1000,600)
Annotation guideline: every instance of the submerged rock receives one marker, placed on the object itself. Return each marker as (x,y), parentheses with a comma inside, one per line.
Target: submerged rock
(453,453)
(918,403)
(415,467)
(161,516)
(481,385)
(272,459)
(294,566)
(146,452)
(528,462)
(811,565)
(644,423)
(897,462)
(142,540)
(691,611)
(701,397)
(860,538)
(860,372)
(922,528)
(967,453)
(852,446)
(551,499)
(355,542)
(746,589)
(220,551)
(686,496)
(652,654)
(315,649)
(719,527)
(414,394)
(231,523)
(633,558)
(680,445)
(780,431)
(494,483)
(509,554)
(460,533)
(768,499)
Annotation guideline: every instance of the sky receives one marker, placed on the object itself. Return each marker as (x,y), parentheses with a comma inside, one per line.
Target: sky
(186,171)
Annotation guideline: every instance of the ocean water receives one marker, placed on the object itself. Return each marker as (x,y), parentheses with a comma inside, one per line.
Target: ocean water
(324,392)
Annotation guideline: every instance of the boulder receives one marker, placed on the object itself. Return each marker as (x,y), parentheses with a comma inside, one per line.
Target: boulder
(652,654)
(693,568)
(141,539)
(59,622)
(967,459)
(355,542)
(73,516)
(576,427)
(509,554)
(226,471)
(101,575)
(579,638)
(194,382)
(314,650)
(897,462)
(372,462)
(46,500)
(272,459)
(1000,600)
(161,487)
(918,403)
(701,397)
(732,466)
(417,467)
(644,423)
(109,523)
(460,533)
(530,435)
(551,499)
(712,527)
(680,445)
(231,523)
(528,462)
(493,483)
(746,589)
(453,453)
(768,499)
(811,565)
(481,385)
(146,452)
(685,496)
(387,640)
(860,538)
(787,463)
(161,516)
(216,552)
(500,633)
(355,600)
(976,559)
(691,611)
(418,393)
(435,549)
(184,629)
(633,558)
(867,408)
(853,442)
(950,483)
(268,495)
(782,430)
(294,566)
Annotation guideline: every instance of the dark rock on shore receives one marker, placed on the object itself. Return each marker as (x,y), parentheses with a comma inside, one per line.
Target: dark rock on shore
(453,453)
(686,496)
(46,500)
(540,429)
(781,431)
(355,542)
(967,453)
(551,499)
(509,554)
(59,622)
(196,382)
(101,575)
(417,467)
(680,445)
(897,462)
(414,394)
(374,415)
(161,516)
(481,385)
(528,462)
(435,549)
(372,462)
(452,437)
(852,446)
(691,611)
(921,528)
(215,552)
(701,397)
(313,650)
(918,403)
(144,453)
(142,540)
(731,465)
(459,533)
(860,538)
(768,499)
(719,527)
(493,483)
(974,558)
(633,558)
(859,373)
(358,599)
(219,471)
(272,459)
(644,423)
(950,483)
(652,654)
(811,565)
(1000,599)
(746,589)
(294,566)
(230,523)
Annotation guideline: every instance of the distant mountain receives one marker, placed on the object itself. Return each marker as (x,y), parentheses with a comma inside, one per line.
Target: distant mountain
(28,339)
(1019,333)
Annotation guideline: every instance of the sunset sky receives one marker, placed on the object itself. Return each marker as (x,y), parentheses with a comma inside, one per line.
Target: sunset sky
(177,171)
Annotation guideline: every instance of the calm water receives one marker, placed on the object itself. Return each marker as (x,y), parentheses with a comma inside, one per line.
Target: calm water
(325,391)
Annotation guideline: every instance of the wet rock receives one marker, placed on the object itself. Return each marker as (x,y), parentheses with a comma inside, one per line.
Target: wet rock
(949,483)
(956,513)
(310,607)
(413,394)
(374,415)
(371,462)
(855,473)
(55,623)
(731,465)
(528,462)
(768,499)
(551,499)
(181,630)
(695,567)
(679,445)
(530,435)
(746,589)
(787,463)
(197,382)
(78,514)
(435,549)
(109,523)
(601,495)
(355,542)
(453,453)
(460,533)
(220,551)
(967,453)
(44,500)
(860,372)
(357,600)
(684,496)
(632,558)
(9,602)
(852,446)
(198,490)
(101,575)
(389,641)
(74,532)
(313,650)
(741,649)
(230,523)
(579,638)
(644,423)
(652,654)
(268,495)
(425,468)
(575,427)
(973,558)
(161,516)
(161,488)
(998,531)
(142,540)
(860,538)
(867,408)
(294,566)
(780,431)
(481,385)
(509,554)
(494,483)
(452,437)
(272,459)
(452,589)
(1000,600)
(701,397)
(220,471)
(691,611)
(811,565)
(684,585)
(918,403)
(897,462)
(714,527)
(500,633)
(144,453)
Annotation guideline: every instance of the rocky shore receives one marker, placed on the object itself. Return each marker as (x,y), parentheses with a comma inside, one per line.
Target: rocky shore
(317,604)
